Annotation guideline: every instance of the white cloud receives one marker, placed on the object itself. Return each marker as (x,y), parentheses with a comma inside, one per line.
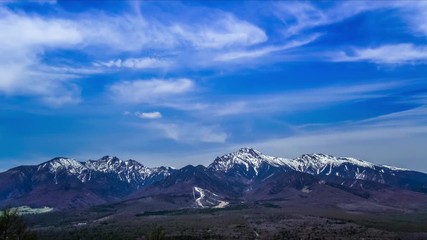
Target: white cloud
(148,91)
(136,63)
(299,100)
(415,13)
(130,32)
(260,52)
(27,38)
(185,132)
(386,54)
(219,31)
(24,39)
(304,17)
(299,16)
(283,102)
(150,115)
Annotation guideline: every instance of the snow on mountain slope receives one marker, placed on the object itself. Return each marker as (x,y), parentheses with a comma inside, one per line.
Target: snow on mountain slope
(248,161)
(315,164)
(247,157)
(63,180)
(395,168)
(69,164)
(129,171)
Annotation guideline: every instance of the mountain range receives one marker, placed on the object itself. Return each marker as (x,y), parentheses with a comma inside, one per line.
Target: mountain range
(244,176)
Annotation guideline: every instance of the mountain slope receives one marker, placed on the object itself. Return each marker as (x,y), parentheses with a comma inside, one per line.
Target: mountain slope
(64,182)
(252,164)
(242,176)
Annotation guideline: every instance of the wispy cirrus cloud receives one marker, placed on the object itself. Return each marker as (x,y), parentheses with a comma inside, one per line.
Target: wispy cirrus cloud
(239,106)
(387,54)
(149,91)
(301,100)
(136,63)
(263,51)
(28,38)
(24,39)
(131,32)
(415,14)
(189,132)
(218,37)
(299,16)
(225,31)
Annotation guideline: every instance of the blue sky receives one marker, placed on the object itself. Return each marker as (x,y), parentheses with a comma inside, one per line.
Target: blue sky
(176,83)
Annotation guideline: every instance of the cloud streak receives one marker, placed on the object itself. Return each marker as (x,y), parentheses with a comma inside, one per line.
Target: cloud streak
(260,52)
(132,32)
(301,16)
(301,100)
(136,63)
(189,133)
(150,115)
(387,54)
(225,31)
(149,91)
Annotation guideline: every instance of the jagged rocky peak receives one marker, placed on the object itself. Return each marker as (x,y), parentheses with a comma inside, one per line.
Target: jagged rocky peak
(245,153)
(249,151)
(109,159)
(242,156)
(113,160)
(316,155)
(114,164)
(247,157)
(316,158)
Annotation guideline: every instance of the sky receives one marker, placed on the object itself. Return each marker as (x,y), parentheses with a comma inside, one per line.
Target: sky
(176,83)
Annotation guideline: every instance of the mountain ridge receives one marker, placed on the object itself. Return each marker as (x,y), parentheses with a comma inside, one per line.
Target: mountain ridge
(231,176)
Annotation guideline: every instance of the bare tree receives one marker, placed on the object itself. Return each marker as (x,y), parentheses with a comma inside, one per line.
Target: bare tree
(13,227)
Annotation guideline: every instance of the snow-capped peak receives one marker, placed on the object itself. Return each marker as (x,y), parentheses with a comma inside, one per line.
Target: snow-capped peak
(319,163)
(110,163)
(248,150)
(252,160)
(58,163)
(109,159)
(247,157)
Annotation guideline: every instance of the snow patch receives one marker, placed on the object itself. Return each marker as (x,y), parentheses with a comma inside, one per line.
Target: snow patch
(306,189)
(199,199)
(208,199)
(26,210)
(395,168)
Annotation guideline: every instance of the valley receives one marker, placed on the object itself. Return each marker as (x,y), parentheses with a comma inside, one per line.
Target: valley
(257,221)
